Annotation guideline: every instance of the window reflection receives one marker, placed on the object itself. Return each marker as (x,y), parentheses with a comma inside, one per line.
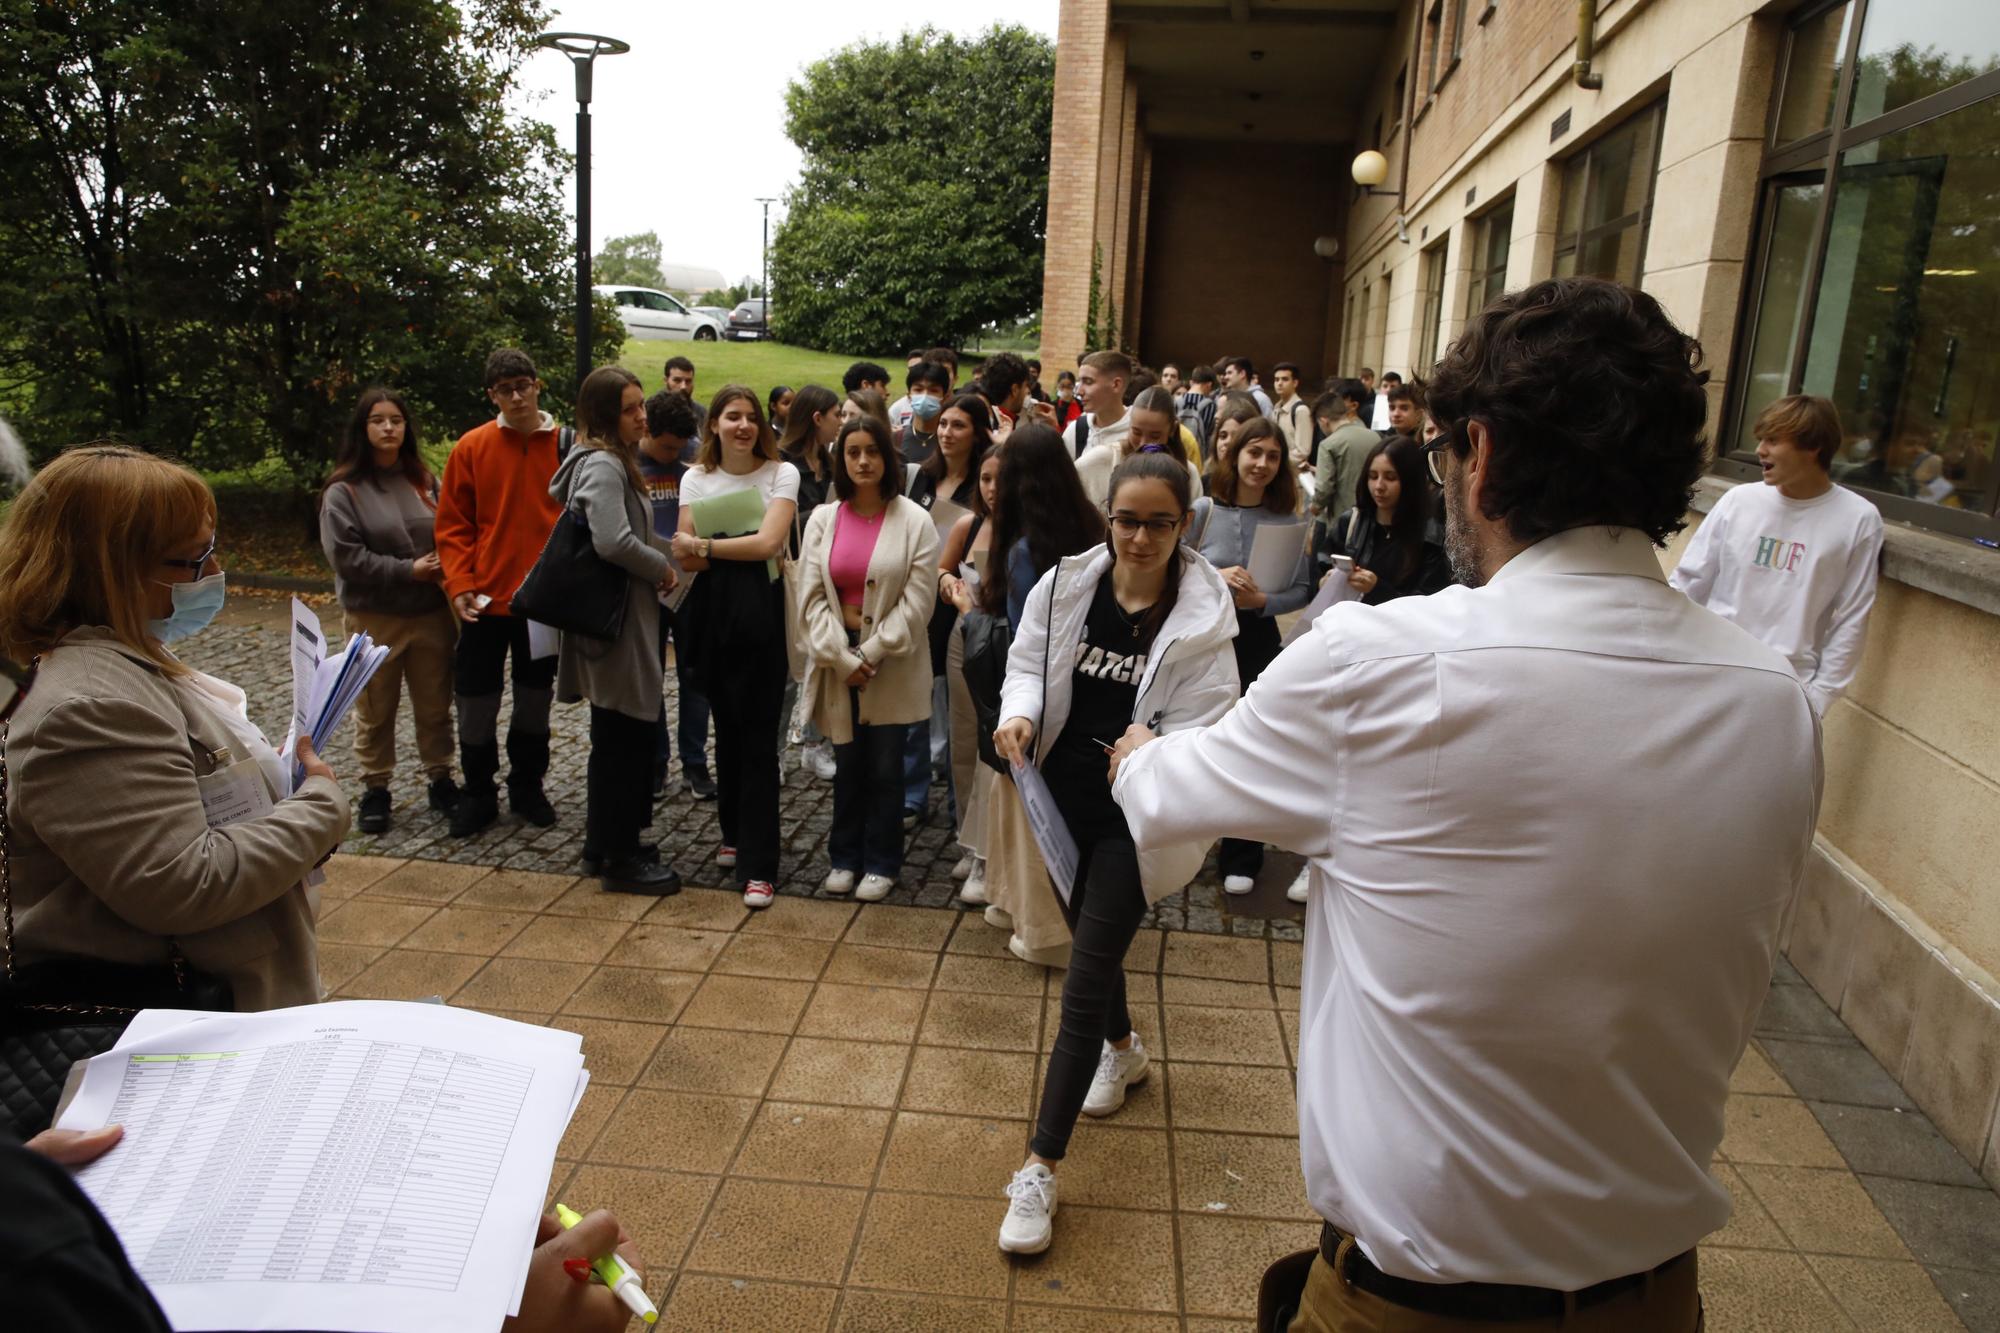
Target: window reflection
(1812,74)
(1607,200)
(1913,48)
(1906,333)
(1793,211)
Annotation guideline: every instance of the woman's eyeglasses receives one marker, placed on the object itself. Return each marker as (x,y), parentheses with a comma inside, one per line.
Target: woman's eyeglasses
(1126,526)
(198,564)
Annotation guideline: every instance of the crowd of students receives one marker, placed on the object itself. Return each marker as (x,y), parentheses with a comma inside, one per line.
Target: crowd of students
(987,590)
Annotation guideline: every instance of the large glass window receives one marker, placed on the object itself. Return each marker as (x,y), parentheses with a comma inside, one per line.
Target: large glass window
(1496,242)
(1913,48)
(1876,271)
(1607,201)
(1812,75)
(1433,312)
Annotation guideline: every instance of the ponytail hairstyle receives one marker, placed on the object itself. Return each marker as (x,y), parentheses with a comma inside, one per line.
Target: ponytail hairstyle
(1042,502)
(1156,399)
(1170,469)
(599,404)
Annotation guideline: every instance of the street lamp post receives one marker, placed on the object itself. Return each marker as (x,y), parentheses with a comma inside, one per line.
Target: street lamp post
(767,263)
(582,48)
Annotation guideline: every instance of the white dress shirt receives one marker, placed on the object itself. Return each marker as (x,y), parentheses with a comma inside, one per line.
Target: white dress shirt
(1552,823)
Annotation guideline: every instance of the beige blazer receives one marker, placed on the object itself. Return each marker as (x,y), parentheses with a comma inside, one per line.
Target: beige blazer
(112,855)
(895,622)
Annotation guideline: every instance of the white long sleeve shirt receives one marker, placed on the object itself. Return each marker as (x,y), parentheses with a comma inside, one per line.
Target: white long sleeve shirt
(1552,825)
(1798,574)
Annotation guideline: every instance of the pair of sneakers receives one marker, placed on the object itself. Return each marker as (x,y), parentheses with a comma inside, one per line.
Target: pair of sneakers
(757,893)
(871,889)
(1031,1209)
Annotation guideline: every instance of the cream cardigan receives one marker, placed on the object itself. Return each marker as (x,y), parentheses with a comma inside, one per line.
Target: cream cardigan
(895,617)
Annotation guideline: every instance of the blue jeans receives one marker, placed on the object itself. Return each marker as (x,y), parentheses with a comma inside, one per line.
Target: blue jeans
(693,723)
(927,750)
(917,765)
(867,835)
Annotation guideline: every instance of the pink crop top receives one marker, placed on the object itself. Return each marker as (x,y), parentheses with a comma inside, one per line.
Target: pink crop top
(853,547)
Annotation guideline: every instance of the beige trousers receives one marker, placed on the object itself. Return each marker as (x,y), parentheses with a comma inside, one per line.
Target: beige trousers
(1016,880)
(420,654)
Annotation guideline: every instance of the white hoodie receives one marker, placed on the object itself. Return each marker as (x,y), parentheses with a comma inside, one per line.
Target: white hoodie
(1190,678)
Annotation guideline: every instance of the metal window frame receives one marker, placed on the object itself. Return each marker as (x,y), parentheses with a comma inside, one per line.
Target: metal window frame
(1435,261)
(1487,268)
(1572,243)
(1819,155)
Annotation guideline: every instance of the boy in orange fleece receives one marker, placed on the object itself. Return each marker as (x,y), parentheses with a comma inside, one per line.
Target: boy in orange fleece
(494,515)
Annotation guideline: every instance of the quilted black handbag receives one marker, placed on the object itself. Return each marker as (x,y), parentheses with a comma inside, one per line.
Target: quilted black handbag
(55,1013)
(573,588)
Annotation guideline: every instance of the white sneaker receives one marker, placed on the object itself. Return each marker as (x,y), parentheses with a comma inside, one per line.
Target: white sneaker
(1056,955)
(874,888)
(725,855)
(1029,1225)
(818,759)
(1238,884)
(999,918)
(1297,893)
(963,869)
(758,893)
(839,881)
(973,894)
(1116,1071)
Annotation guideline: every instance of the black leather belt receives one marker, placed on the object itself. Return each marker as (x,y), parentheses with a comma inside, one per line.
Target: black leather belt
(1493,1302)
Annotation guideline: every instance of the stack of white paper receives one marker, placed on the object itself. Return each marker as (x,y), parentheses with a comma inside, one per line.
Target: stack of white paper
(323,688)
(360,1165)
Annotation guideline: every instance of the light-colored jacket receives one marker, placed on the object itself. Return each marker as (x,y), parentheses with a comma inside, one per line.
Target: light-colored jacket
(1190,677)
(622,674)
(1099,461)
(895,617)
(112,854)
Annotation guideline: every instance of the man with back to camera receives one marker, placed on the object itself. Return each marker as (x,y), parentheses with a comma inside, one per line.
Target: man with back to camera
(1792,561)
(1546,887)
(865,375)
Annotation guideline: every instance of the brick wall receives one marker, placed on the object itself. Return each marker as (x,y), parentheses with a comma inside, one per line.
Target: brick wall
(1077,137)
(1499,59)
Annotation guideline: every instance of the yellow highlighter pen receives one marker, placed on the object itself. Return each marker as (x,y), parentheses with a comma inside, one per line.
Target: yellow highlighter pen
(623,1281)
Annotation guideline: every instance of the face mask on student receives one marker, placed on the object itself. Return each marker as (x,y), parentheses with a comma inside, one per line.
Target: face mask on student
(925,406)
(195,606)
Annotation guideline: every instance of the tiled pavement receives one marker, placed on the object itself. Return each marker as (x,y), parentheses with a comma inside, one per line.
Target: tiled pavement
(248,647)
(806,1116)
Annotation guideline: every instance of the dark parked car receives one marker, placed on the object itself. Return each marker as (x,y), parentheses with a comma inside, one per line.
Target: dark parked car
(749,320)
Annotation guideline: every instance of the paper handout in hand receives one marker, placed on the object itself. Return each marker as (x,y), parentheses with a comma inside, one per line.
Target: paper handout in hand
(323,688)
(737,514)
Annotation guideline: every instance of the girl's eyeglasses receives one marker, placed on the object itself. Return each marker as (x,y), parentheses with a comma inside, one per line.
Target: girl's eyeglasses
(1129,527)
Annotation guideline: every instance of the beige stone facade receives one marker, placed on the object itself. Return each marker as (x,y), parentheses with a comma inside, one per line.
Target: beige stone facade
(1206,201)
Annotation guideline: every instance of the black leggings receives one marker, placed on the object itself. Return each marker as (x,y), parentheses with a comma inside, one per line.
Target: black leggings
(1257,645)
(618,783)
(1103,914)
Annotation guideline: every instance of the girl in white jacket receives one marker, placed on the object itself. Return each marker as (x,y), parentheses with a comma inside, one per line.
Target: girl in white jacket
(1136,631)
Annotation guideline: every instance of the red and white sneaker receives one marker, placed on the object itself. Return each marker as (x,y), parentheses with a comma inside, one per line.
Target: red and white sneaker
(757,893)
(726,856)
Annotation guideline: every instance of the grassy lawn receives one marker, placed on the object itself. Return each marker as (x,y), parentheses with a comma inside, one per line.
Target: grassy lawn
(757,364)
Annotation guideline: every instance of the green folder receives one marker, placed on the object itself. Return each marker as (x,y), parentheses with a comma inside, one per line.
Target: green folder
(737,514)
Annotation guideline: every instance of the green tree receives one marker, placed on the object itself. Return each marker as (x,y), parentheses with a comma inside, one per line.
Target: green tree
(633,261)
(222,220)
(920,215)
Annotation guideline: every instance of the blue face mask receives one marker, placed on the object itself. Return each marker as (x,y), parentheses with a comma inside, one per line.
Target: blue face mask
(925,406)
(195,605)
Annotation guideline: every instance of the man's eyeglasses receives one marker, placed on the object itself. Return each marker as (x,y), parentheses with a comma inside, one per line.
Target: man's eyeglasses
(198,564)
(514,389)
(1126,526)
(15,681)
(1433,450)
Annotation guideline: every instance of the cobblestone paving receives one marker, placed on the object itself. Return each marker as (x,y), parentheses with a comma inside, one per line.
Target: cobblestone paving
(248,647)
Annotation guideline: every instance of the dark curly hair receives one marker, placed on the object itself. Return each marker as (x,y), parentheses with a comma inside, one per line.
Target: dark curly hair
(1595,404)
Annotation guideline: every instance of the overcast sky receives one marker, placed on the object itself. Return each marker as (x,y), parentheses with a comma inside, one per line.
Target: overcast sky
(689,128)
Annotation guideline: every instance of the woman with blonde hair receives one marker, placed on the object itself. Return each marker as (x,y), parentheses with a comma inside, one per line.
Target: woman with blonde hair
(106,560)
(600,482)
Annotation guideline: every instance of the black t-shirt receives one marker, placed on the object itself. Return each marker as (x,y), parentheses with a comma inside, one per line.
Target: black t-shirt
(1104,691)
(61,1267)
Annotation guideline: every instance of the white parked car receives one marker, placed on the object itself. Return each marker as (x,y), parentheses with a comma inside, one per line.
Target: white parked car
(653,314)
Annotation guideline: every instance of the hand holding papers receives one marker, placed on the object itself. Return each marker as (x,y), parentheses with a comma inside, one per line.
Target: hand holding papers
(355,1165)
(737,514)
(323,688)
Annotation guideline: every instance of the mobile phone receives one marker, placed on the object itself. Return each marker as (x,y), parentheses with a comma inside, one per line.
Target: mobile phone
(481,601)
(1344,563)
